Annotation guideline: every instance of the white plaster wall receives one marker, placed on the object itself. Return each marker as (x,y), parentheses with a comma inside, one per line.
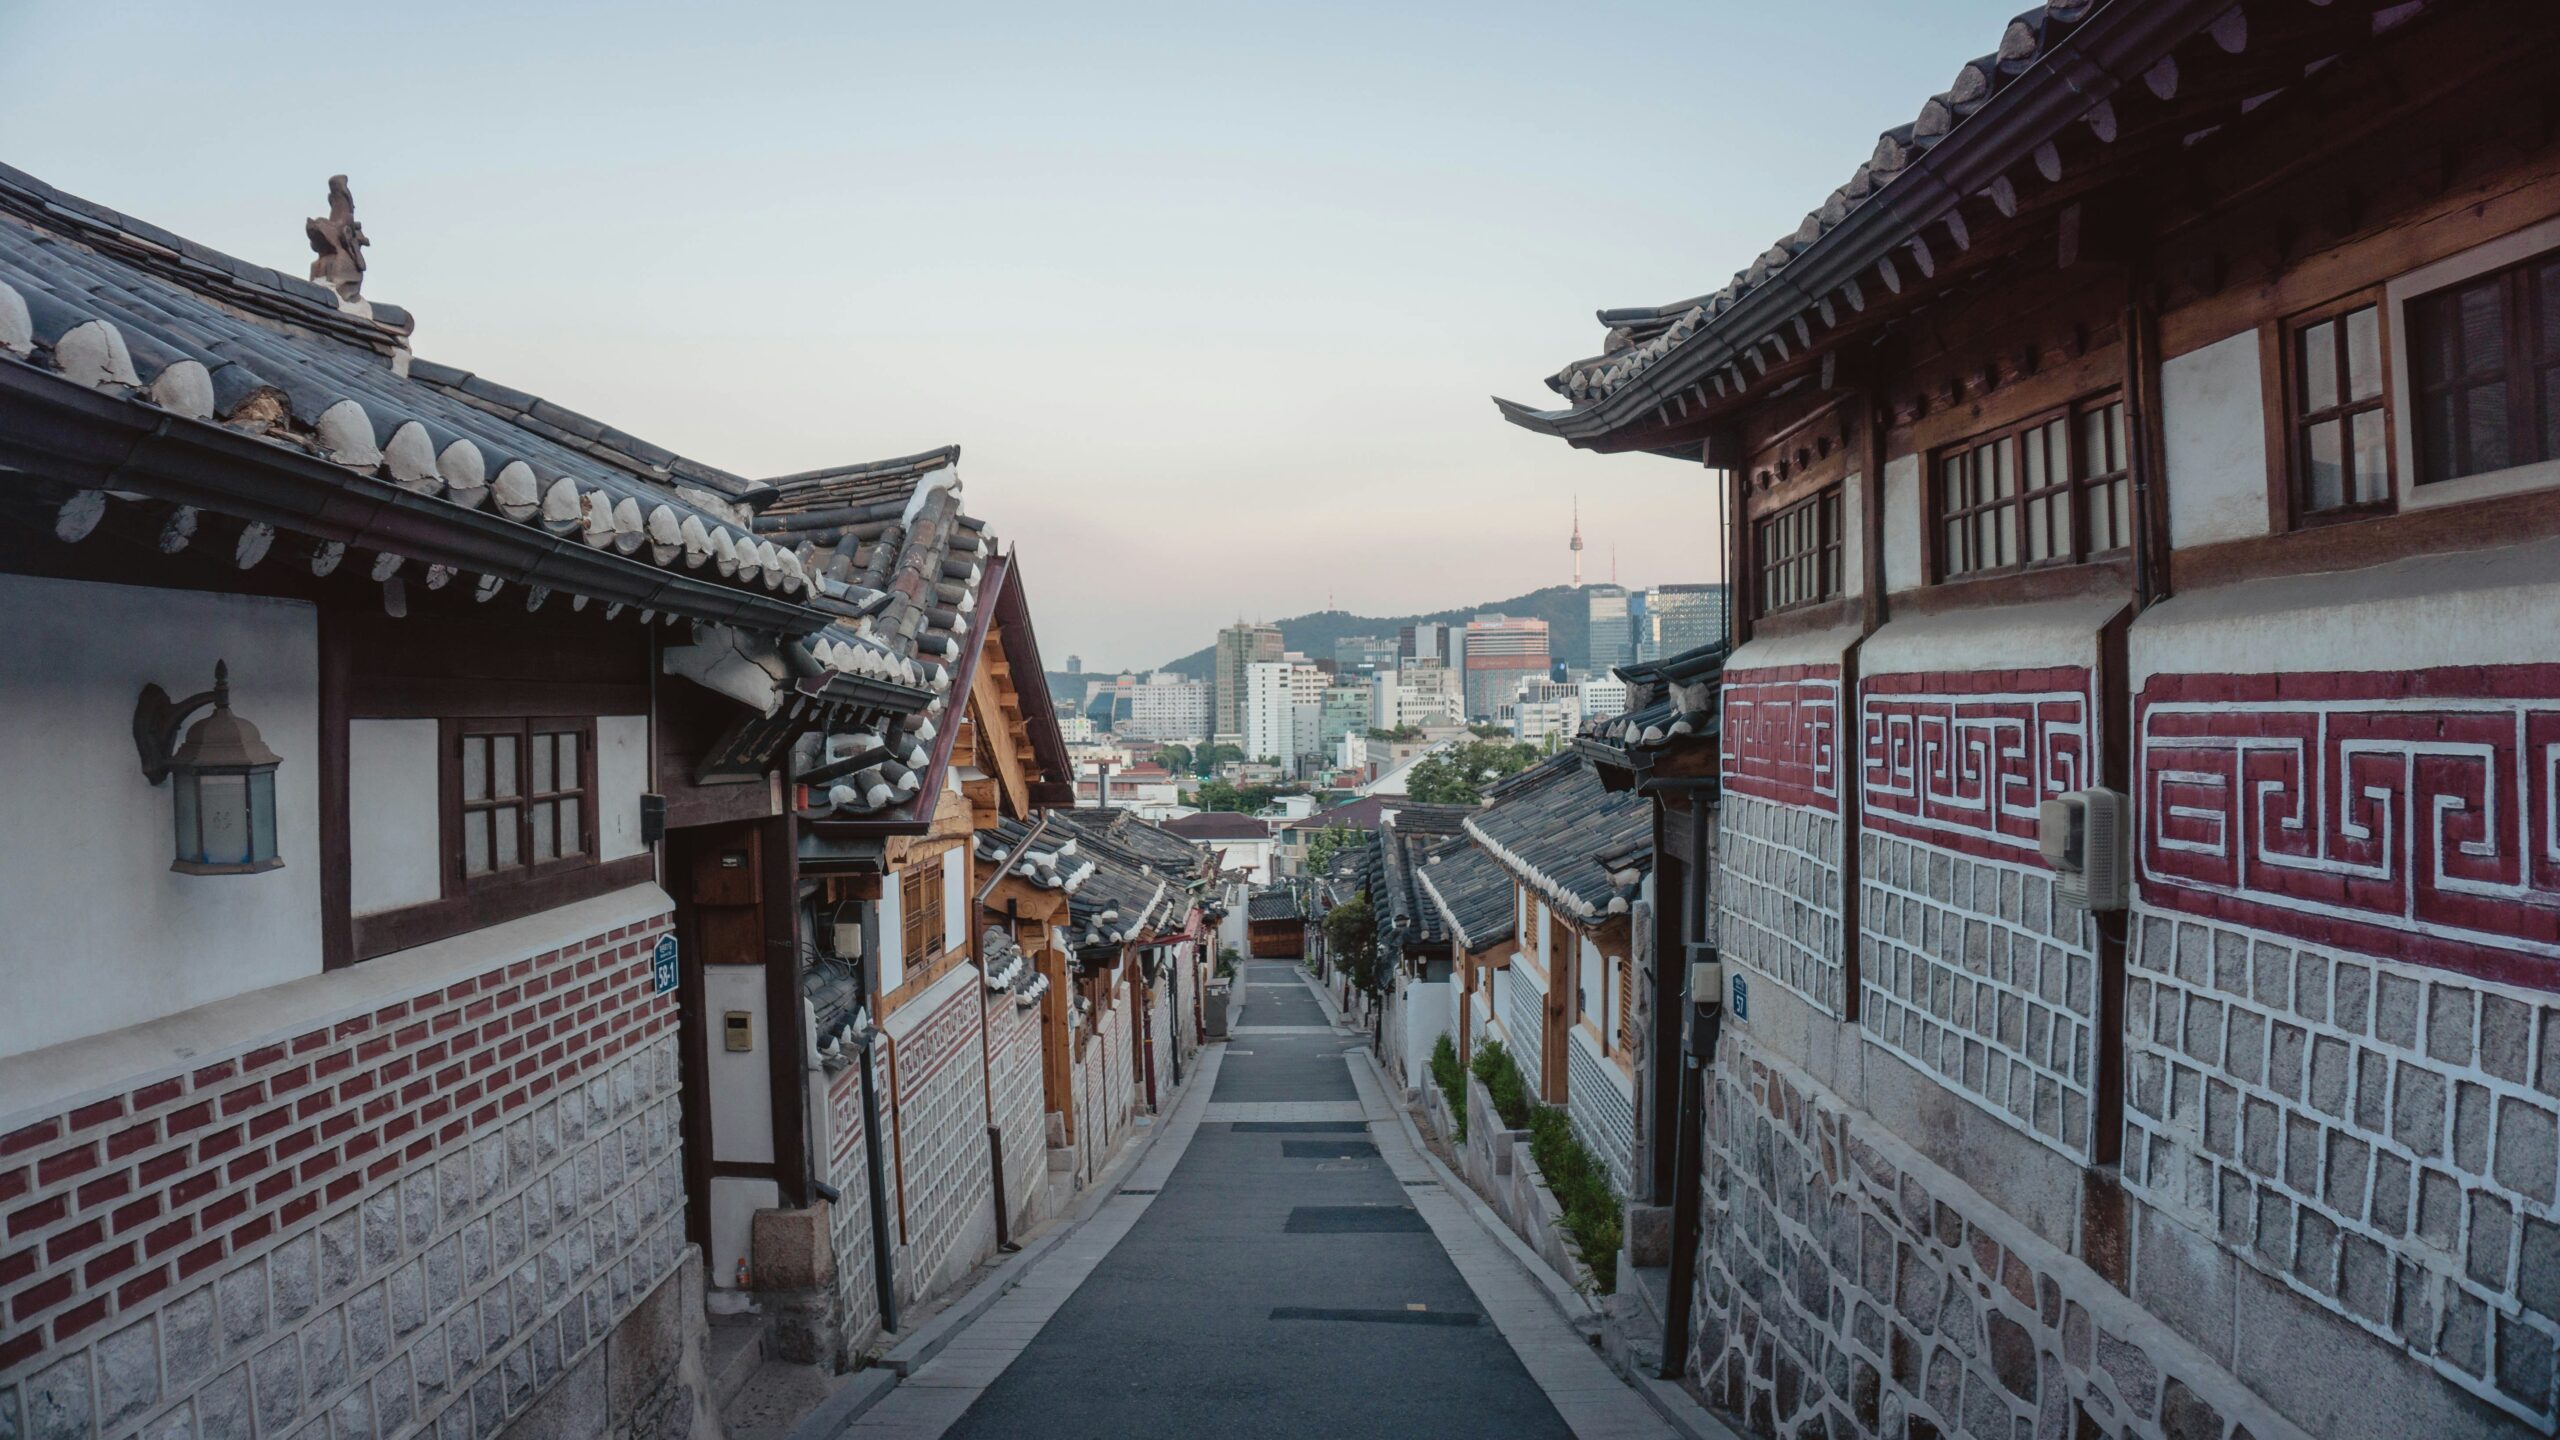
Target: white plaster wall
(955,898)
(2009,637)
(740,1081)
(2477,607)
(85,888)
(2213,418)
(394,840)
(1853,535)
(734,1203)
(1902,524)
(622,777)
(893,936)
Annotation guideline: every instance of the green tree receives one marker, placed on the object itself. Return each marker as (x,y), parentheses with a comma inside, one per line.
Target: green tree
(1461,775)
(1351,937)
(1399,733)
(1207,759)
(1332,840)
(1176,758)
(1487,730)
(1239,799)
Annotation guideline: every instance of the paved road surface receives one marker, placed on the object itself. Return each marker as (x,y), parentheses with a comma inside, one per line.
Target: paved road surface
(1279,1281)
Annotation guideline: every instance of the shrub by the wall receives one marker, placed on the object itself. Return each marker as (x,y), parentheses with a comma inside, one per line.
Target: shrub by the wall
(1452,1080)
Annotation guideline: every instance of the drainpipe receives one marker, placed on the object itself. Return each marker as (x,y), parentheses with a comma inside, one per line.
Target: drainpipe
(883,1269)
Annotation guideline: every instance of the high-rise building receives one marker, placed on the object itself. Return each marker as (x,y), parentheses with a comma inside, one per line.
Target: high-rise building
(1239,645)
(1359,654)
(1168,707)
(1283,710)
(1075,664)
(1680,618)
(1500,651)
(1345,709)
(1423,692)
(1612,636)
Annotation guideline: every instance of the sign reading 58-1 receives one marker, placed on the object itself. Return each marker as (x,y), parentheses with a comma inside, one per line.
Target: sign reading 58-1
(662,965)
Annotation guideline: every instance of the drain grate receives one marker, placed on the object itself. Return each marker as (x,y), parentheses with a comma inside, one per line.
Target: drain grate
(1299,1127)
(1459,1318)
(1354,1220)
(1125,1190)
(1329,1149)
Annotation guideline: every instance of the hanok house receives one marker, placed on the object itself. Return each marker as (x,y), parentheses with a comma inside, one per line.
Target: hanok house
(2150,454)
(1273,925)
(925,1107)
(1577,855)
(379,1100)
(1664,748)
(1478,904)
(1413,941)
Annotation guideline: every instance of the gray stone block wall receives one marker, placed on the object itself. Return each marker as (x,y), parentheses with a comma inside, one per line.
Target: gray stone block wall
(1848,1287)
(1971,972)
(1777,889)
(2381,1139)
(849,1227)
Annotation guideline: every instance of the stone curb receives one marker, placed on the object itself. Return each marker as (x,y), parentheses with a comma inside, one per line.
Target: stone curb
(861,1390)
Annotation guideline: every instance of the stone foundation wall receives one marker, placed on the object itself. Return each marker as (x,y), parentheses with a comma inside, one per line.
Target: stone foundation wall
(2380,1140)
(1971,972)
(945,1189)
(1013,1046)
(1778,894)
(1847,1283)
(849,1230)
(381,1215)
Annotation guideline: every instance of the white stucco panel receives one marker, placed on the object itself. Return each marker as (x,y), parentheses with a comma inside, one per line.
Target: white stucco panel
(86,890)
(622,777)
(1853,535)
(2479,607)
(955,898)
(893,936)
(394,836)
(1815,647)
(2007,637)
(2214,423)
(1902,524)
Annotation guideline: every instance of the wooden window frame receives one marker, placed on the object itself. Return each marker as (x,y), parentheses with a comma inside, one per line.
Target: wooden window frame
(1823,554)
(2075,492)
(2526,420)
(477,902)
(457,811)
(912,912)
(2291,421)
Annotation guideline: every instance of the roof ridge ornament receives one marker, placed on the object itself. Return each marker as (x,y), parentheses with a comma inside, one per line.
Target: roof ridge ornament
(338,243)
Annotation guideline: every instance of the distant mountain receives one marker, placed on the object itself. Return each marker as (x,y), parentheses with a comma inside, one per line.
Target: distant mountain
(1566,610)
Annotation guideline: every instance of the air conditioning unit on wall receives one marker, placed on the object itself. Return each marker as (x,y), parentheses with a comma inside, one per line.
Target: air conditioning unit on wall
(2087,837)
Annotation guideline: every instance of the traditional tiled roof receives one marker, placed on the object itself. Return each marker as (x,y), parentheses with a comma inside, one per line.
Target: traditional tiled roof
(1472,892)
(1218,825)
(1669,701)
(1551,823)
(1365,813)
(126,309)
(1272,904)
(1982,151)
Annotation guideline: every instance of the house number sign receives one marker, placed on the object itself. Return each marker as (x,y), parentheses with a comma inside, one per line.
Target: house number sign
(662,965)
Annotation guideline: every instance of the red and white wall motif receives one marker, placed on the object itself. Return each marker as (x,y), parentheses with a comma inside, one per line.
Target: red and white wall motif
(2406,813)
(1963,760)
(1781,729)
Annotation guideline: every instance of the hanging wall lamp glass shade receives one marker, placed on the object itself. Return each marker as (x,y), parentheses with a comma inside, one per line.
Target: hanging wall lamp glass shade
(222,781)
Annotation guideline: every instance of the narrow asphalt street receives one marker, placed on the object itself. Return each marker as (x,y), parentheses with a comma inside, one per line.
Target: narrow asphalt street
(1282,1264)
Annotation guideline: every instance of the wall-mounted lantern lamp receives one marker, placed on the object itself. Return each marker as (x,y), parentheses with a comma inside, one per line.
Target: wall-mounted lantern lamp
(223,780)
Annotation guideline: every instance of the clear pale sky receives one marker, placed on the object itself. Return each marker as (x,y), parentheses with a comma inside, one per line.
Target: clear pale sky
(1211,295)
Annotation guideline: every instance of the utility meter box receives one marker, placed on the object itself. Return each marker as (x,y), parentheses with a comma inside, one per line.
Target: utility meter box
(2087,837)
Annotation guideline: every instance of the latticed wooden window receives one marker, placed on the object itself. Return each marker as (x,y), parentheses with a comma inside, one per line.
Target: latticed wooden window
(2341,444)
(2048,491)
(2484,362)
(1799,552)
(522,797)
(920,910)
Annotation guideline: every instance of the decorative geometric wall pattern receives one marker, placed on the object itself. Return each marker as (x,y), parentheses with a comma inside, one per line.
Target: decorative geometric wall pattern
(1965,760)
(1781,727)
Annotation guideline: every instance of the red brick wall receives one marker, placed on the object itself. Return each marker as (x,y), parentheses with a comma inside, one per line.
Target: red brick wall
(520,1104)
